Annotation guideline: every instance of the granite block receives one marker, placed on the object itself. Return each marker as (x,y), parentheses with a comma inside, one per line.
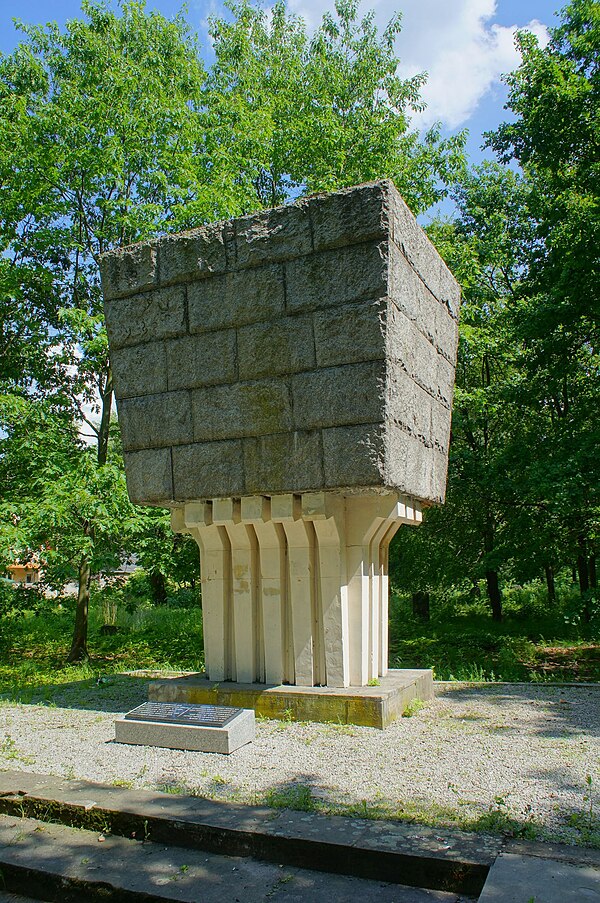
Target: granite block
(275,348)
(148,317)
(192,255)
(155,421)
(351,333)
(236,299)
(286,461)
(354,456)
(207,469)
(149,476)
(331,278)
(243,409)
(314,344)
(202,360)
(278,234)
(350,216)
(139,370)
(129,271)
(337,396)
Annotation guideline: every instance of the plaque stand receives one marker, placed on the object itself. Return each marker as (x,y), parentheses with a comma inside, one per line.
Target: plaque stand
(202,728)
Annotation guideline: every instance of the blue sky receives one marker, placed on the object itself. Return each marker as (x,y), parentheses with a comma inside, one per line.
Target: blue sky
(464,45)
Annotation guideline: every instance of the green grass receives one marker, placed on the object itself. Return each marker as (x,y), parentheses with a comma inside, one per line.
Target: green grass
(461,642)
(36,644)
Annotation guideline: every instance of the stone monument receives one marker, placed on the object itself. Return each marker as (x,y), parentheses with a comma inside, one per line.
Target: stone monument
(284,385)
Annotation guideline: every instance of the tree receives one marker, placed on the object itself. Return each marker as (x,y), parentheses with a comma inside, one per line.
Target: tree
(112,132)
(98,148)
(293,115)
(555,138)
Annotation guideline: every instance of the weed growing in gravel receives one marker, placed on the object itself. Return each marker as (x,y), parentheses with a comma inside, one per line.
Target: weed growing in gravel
(415,705)
(296,796)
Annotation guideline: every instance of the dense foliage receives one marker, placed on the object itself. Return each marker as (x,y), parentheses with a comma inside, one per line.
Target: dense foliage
(115,130)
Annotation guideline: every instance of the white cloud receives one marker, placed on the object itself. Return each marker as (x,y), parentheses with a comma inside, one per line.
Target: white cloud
(457,42)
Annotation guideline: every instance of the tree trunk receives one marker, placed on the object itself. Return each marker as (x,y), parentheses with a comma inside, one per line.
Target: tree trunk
(583,574)
(106,392)
(158,586)
(79,651)
(494,594)
(549,571)
(420,605)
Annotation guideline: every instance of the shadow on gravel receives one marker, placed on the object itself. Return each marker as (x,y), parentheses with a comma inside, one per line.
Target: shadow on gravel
(552,711)
(116,693)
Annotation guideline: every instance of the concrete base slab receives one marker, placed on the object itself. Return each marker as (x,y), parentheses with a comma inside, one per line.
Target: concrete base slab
(238,731)
(515,878)
(369,706)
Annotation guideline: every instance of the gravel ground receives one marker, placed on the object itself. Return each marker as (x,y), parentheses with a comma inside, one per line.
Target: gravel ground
(476,753)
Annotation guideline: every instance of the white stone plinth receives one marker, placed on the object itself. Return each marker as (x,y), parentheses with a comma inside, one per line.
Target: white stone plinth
(295,586)
(241,729)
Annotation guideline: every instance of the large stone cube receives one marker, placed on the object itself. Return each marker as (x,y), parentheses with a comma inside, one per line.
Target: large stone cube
(304,348)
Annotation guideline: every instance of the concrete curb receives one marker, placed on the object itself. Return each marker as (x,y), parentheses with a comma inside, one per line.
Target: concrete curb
(411,855)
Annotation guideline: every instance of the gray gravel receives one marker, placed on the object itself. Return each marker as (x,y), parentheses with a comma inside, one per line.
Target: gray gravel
(525,751)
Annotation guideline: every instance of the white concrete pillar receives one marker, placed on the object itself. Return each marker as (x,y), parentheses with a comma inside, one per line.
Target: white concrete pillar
(295,586)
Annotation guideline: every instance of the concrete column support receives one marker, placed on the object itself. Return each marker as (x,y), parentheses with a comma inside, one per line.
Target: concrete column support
(295,586)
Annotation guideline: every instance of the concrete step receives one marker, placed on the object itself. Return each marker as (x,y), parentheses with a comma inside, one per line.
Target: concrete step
(60,864)
(403,854)
(544,877)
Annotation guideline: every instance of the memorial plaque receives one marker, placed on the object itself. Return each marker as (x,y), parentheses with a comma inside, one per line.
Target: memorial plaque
(184,713)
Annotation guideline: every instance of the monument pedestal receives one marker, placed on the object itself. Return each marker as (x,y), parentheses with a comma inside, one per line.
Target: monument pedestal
(374,706)
(295,586)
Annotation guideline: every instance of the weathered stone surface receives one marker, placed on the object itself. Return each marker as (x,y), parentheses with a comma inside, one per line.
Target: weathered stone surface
(146,318)
(244,409)
(139,370)
(278,234)
(275,348)
(339,395)
(202,360)
(351,333)
(129,271)
(421,255)
(149,476)
(350,216)
(156,421)
(312,346)
(337,277)
(354,456)
(208,468)
(286,461)
(192,255)
(236,299)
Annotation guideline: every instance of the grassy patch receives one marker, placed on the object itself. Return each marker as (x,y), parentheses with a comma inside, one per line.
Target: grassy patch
(532,643)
